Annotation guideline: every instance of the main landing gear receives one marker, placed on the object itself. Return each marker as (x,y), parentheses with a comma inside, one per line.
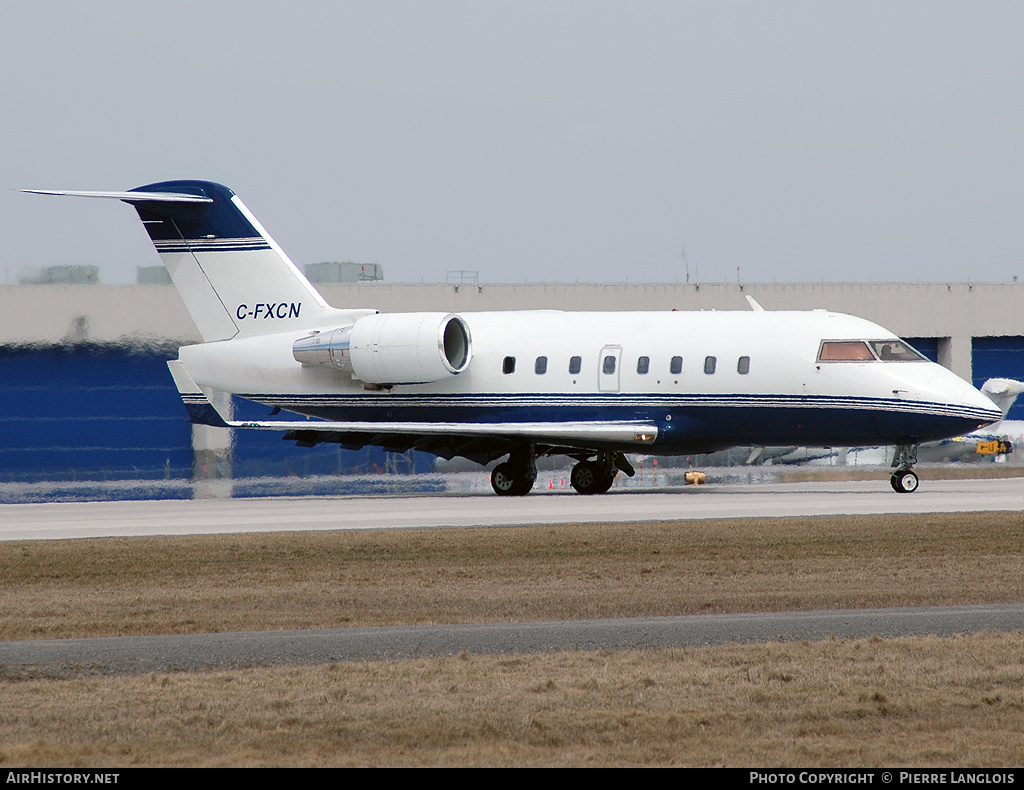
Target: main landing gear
(589,477)
(597,476)
(516,476)
(904,479)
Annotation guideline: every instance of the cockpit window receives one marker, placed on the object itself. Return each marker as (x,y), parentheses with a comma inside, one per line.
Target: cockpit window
(895,351)
(891,350)
(845,351)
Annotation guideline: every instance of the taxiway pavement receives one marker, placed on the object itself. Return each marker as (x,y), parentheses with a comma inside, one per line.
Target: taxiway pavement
(57,520)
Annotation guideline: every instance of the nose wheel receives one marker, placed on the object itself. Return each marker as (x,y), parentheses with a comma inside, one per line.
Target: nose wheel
(904,481)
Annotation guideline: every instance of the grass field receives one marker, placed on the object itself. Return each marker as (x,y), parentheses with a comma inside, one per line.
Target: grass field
(921,701)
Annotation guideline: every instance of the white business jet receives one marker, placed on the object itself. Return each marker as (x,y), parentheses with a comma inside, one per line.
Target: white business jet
(591,386)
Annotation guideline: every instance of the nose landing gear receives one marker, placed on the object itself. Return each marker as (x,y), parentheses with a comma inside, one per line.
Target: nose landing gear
(904,480)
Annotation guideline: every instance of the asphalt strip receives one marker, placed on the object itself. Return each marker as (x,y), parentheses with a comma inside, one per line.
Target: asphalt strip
(127,655)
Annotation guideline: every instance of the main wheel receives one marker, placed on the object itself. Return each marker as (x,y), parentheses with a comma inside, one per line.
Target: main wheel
(604,483)
(506,482)
(587,478)
(904,481)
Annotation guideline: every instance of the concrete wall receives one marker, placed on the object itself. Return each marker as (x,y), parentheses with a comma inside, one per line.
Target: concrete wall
(124,315)
(153,314)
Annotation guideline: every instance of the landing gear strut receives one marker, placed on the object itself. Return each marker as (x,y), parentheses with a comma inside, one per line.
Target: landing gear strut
(904,479)
(516,476)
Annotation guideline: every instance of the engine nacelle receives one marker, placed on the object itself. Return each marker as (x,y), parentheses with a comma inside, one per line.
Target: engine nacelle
(393,348)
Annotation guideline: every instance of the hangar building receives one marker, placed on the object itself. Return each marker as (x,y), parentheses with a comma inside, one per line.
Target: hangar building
(85,393)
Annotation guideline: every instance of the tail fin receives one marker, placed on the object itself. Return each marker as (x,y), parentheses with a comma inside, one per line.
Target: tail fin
(1003,392)
(233,278)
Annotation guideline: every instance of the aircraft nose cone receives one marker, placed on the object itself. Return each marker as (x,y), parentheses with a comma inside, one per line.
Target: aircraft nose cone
(975,400)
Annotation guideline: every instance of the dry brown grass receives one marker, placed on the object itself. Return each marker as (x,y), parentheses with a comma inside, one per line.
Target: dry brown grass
(904,702)
(871,702)
(257,582)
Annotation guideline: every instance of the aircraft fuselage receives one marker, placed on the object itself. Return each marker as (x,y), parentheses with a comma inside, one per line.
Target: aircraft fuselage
(708,380)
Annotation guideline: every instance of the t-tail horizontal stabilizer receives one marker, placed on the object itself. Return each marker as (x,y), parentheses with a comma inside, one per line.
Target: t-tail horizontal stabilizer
(135,197)
(234,279)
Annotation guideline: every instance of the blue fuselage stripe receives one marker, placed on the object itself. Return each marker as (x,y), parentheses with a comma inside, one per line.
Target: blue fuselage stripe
(685,423)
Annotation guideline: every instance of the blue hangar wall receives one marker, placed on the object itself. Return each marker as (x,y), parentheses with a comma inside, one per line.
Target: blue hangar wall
(90,412)
(94,412)
(999,357)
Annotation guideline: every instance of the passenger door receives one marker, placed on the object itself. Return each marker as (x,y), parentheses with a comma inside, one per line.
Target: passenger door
(608,369)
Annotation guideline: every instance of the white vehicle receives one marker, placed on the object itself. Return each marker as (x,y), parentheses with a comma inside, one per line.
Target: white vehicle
(591,386)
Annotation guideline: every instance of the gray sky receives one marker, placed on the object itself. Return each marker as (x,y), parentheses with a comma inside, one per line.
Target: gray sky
(532,141)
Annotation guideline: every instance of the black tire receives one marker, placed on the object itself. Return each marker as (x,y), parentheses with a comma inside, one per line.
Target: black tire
(587,478)
(503,481)
(506,482)
(525,485)
(905,481)
(584,477)
(606,482)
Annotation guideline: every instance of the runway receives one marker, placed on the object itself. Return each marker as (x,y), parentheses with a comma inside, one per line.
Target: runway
(62,520)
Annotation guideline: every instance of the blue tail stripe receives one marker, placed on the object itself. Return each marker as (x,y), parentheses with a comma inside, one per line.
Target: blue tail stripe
(201,222)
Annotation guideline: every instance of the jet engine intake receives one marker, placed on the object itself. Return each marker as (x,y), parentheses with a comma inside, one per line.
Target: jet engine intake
(393,348)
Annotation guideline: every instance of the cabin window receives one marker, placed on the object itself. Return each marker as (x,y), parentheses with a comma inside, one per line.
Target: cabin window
(608,366)
(643,365)
(895,351)
(676,366)
(574,365)
(743,366)
(508,365)
(845,351)
(709,365)
(541,366)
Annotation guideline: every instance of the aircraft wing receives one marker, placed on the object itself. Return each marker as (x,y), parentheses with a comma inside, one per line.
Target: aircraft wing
(472,440)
